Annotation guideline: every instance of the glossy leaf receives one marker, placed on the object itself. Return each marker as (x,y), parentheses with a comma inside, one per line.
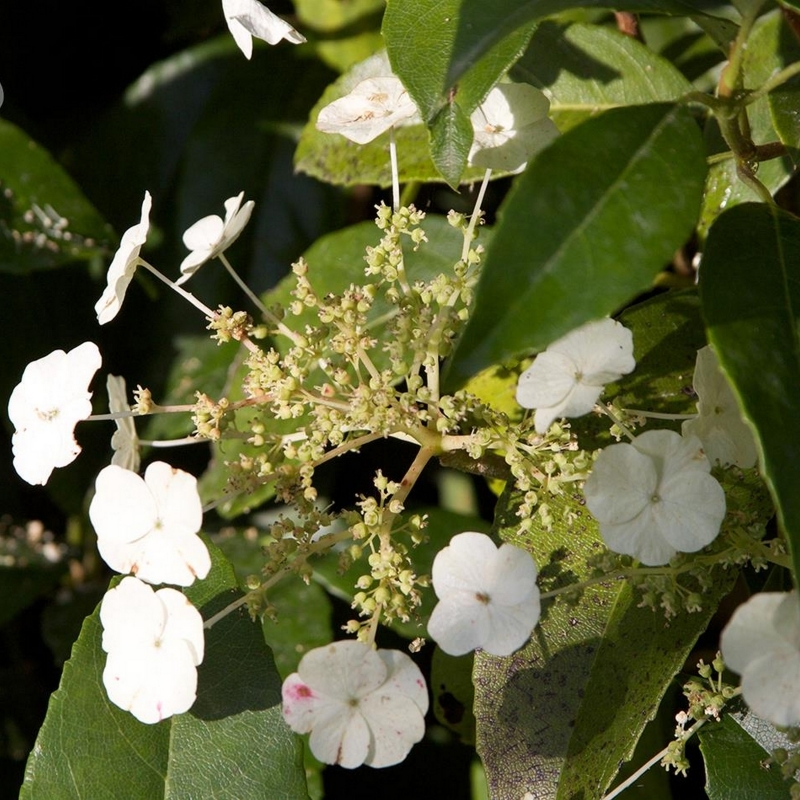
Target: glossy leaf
(45,219)
(333,158)
(735,764)
(768,50)
(435,45)
(586,69)
(541,724)
(587,226)
(753,325)
(232,742)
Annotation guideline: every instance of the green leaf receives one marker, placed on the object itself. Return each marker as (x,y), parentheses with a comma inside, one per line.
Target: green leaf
(587,226)
(541,725)
(753,325)
(767,52)
(420,39)
(335,159)
(587,69)
(45,219)
(453,693)
(735,765)
(233,742)
(435,45)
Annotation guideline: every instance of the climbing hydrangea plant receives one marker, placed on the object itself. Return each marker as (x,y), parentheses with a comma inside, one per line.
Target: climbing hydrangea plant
(598,341)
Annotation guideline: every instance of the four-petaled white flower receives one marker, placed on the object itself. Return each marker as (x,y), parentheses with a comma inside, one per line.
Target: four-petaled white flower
(361,706)
(762,643)
(569,376)
(510,126)
(488,596)
(374,106)
(149,526)
(125,441)
(655,497)
(154,642)
(248,18)
(210,236)
(123,266)
(726,437)
(45,407)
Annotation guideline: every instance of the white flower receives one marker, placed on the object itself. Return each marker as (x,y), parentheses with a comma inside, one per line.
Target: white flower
(655,497)
(154,642)
(361,706)
(210,236)
(45,406)
(149,526)
(726,437)
(122,268)
(762,643)
(248,18)
(125,441)
(374,106)
(569,376)
(510,126)
(488,597)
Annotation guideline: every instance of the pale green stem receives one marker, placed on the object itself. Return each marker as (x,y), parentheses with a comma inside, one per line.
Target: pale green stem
(638,774)
(395,171)
(476,215)
(373,625)
(658,414)
(181,291)
(172,442)
(774,82)
(324,543)
(613,417)
(125,414)
(266,313)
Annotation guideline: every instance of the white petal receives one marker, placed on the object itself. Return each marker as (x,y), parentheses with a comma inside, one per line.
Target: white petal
(342,670)
(340,736)
(621,485)
(123,266)
(547,382)
(183,622)
(461,565)
(205,233)
(690,510)
(511,626)
(751,631)
(460,623)
(510,576)
(771,686)
(301,704)
(405,678)
(123,508)
(249,17)
(396,724)
(175,491)
(602,350)
(131,616)
(639,538)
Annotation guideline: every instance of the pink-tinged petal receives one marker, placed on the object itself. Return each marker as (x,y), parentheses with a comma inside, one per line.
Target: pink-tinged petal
(396,724)
(301,704)
(342,670)
(405,678)
(340,736)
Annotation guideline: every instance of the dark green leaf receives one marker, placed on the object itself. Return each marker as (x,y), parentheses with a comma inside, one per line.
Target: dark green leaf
(45,219)
(233,742)
(451,139)
(753,325)
(435,45)
(453,693)
(584,229)
(735,765)
(587,69)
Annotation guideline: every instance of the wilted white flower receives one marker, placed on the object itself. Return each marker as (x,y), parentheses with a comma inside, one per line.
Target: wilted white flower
(762,643)
(154,642)
(726,437)
(374,106)
(248,18)
(125,441)
(569,376)
(488,596)
(361,706)
(510,126)
(655,497)
(210,236)
(46,405)
(149,526)
(123,266)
